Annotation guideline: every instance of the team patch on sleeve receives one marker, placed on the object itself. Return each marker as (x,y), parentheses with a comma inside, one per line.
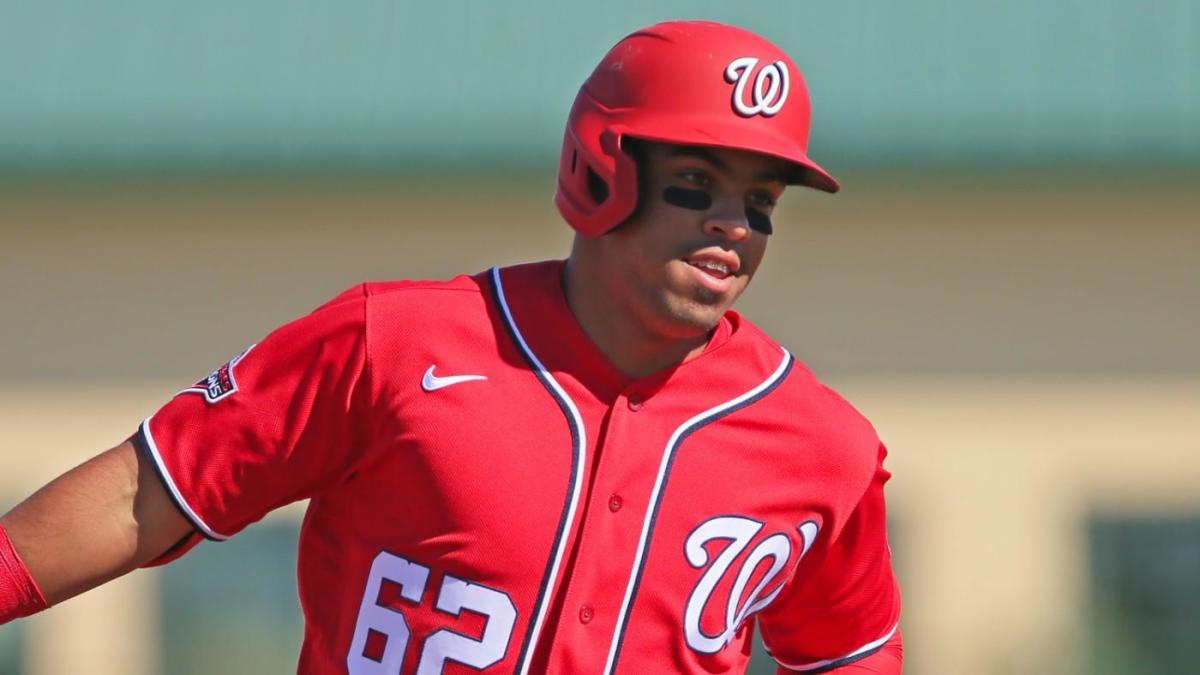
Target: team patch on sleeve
(222,383)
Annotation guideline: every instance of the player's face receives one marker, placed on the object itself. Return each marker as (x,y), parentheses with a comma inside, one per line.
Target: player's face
(697,237)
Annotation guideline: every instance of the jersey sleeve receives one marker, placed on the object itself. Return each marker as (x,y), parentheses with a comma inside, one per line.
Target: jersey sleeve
(281,422)
(843,603)
(889,660)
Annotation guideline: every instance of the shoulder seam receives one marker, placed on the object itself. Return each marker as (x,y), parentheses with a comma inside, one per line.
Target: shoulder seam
(370,291)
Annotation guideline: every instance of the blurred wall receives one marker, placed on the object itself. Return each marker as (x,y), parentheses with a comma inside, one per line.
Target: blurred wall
(1029,272)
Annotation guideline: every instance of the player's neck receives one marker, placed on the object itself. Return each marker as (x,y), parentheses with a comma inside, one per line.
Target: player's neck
(623,339)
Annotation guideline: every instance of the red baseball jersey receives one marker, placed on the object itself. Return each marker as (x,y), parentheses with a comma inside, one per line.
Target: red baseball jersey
(489,493)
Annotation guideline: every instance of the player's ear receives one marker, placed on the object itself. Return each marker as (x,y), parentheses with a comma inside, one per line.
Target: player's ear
(636,150)
(599,189)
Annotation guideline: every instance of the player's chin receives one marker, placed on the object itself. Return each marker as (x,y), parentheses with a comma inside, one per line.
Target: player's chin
(694,315)
(698,307)
(717,301)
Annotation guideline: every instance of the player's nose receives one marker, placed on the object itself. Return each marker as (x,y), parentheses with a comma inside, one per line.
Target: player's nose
(727,223)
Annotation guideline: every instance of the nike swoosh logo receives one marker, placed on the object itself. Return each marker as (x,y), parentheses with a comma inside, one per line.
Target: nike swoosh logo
(432,382)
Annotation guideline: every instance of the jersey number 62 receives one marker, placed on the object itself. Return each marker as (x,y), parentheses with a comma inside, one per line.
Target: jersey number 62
(386,625)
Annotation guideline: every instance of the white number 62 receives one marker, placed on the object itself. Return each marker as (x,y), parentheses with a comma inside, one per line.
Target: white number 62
(441,646)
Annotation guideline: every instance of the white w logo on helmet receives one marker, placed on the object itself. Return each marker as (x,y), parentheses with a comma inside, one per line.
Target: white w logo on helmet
(770,89)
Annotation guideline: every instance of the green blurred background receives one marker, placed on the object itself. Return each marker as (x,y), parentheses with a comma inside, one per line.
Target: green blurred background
(263,83)
(1009,277)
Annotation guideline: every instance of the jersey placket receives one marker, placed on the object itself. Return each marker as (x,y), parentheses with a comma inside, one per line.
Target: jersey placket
(623,474)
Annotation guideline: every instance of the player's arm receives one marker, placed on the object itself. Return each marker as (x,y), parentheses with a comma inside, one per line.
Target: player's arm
(841,612)
(287,420)
(94,523)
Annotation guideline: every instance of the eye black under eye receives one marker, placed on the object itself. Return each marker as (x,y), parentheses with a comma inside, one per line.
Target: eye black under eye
(699,200)
(696,200)
(758,221)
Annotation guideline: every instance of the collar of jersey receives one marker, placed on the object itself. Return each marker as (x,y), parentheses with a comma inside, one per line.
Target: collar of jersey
(539,306)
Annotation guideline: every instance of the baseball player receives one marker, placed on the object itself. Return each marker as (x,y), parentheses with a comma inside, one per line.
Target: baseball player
(581,466)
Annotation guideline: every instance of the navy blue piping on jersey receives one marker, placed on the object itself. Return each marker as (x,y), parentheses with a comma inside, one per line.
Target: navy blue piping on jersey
(143,442)
(843,662)
(571,413)
(826,666)
(779,376)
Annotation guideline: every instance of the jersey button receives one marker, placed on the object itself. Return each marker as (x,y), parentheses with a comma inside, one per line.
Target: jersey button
(615,503)
(586,614)
(635,403)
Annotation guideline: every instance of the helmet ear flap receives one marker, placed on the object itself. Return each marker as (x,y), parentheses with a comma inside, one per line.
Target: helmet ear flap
(596,190)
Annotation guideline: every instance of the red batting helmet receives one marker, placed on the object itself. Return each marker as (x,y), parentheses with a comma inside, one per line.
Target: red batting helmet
(685,83)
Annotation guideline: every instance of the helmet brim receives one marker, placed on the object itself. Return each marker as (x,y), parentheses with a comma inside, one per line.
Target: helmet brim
(735,135)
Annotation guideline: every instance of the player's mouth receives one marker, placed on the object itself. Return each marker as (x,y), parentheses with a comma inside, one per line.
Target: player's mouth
(714,269)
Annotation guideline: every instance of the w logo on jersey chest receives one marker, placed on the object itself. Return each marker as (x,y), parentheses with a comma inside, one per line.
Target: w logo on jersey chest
(740,601)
